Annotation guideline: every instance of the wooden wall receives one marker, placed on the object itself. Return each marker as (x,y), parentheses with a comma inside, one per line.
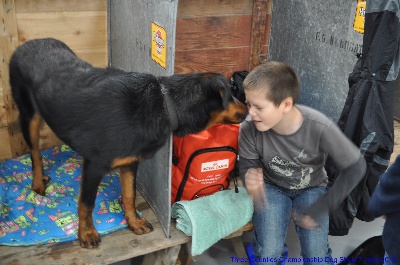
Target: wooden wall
(80,24)
(212,35)
(221,36)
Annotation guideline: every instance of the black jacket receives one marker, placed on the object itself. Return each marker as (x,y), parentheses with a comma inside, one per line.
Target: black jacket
(367,117)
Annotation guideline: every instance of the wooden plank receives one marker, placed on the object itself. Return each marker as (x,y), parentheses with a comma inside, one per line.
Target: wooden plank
(5,146)
(8,43)
(225,61)
(167,256)
(213,31)
(238,246)
(96,56)
(201,8)
(260,9)
(184,255)
(245,228)
(16,139)
(1,84)
(80,30)
(265,46)
(35,6)
(47,140)
(3,113)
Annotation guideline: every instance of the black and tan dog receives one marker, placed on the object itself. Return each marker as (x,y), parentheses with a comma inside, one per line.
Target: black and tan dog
(112,118)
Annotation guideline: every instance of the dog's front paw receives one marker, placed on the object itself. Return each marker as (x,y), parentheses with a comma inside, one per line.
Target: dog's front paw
(46,179)
(39,188)
(89,238)
(140,226)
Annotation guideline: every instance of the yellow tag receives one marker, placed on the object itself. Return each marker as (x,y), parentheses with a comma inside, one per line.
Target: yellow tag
(159,45)
(360,16)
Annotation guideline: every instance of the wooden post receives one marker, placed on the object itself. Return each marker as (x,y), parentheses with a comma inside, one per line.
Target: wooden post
(8,43)
(261,8)
(166,256)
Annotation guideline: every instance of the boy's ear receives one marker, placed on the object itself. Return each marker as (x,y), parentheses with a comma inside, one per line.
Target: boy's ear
(288,103)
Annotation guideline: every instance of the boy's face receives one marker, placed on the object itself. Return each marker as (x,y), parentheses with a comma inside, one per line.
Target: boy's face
(263,112)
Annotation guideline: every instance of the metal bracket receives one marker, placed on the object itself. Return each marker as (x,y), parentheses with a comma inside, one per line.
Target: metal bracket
(263,57)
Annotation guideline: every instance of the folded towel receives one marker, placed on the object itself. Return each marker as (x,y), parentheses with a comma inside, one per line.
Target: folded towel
(211,218)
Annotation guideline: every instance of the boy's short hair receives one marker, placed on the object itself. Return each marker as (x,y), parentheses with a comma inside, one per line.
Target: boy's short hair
(278,79)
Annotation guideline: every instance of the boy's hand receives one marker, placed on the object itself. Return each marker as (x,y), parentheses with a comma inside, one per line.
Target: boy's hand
(256,187)
(305,221)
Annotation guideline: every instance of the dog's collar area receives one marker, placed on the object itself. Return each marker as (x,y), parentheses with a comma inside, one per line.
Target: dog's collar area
(173,116)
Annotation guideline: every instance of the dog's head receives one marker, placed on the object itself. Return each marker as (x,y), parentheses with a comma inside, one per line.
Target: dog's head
(233,110)
(202,100)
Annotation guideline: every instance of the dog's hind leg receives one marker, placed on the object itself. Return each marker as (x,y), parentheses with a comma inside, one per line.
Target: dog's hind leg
(39,179)
(91,178)
(137,224)
(30,121)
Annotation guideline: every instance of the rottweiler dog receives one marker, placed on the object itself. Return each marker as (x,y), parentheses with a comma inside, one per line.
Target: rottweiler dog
(112,118)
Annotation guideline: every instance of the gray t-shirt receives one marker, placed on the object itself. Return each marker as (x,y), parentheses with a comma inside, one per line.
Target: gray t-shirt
(297,161)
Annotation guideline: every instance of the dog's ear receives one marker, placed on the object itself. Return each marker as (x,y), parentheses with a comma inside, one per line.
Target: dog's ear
(225,92)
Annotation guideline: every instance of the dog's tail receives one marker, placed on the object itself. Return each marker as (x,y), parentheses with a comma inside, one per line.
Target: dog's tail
(22,97)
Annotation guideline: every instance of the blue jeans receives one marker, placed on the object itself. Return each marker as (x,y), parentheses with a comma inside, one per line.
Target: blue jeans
(271,225)
(389,260)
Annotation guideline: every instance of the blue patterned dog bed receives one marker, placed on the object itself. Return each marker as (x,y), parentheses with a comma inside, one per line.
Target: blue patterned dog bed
(27,218)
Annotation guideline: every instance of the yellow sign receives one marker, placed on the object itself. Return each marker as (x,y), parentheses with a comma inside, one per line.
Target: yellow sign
(159,45)
(360,16)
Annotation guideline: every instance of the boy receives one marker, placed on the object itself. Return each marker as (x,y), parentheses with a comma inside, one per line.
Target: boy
(282,149)
(386,201)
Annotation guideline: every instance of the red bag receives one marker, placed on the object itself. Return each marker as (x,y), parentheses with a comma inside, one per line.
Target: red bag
(203,162)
